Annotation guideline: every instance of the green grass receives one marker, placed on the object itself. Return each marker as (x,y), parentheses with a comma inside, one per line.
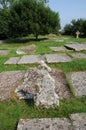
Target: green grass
(13,110)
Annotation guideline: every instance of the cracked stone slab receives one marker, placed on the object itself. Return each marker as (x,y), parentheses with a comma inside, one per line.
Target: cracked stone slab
(76,46)
(78,80)
(58,49)
(55,58)
(12,60)
(30,59)
(4,52)
(9,80)
(78,55)
(44,124)
(79,121)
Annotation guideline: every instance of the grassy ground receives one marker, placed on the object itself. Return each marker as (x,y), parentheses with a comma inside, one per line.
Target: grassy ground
(11,111)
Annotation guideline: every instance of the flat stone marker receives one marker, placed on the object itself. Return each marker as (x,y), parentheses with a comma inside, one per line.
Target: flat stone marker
(30,59)
(76,46)
(55,58)
(44,124)
(9,80)
(79,121)
(13,60)
(78,55)
(4,52)
(58,48)
(78,80)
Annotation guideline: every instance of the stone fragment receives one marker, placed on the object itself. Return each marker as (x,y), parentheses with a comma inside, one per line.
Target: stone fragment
(56,58)
(46,96)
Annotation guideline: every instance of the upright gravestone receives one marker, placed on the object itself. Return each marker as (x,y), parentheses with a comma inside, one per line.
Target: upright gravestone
(77,34)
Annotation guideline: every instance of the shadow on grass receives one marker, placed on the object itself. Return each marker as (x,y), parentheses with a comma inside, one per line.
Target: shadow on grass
(25,40)
(29,102)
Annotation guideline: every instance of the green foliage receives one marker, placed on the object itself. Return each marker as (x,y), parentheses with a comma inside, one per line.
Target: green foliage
(28,17)
(79,24)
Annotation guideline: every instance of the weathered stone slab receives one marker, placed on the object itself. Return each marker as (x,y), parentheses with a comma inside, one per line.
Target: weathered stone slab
(30,89)
(78,55)
(79,121)
(30,59)
(13,60)
(55,58)
(76,46)
(78,80)
(8,82)
(4,52)
(58,48)
(44,124)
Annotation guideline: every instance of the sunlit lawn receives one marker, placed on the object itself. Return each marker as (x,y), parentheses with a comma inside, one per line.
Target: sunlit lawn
(11,111)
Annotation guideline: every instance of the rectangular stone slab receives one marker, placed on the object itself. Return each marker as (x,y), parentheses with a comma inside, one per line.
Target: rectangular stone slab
(78,55)
(44,124)
(13,60)
(76,46)
(78,80)
(30,59)
(79,121)
(55,58)
(58,48)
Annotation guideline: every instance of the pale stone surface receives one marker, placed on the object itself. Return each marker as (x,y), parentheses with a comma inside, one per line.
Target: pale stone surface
(78,80)
(55,58)
(78,55)
(29,88)
(76,46)
(79,121)
(9,80)
(13,60)
(44,124)
(30,59)
(46,96)
(4,52)
(30,49)
(58,48)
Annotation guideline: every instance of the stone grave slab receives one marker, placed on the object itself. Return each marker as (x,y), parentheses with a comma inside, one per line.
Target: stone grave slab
(30,59)
(30,89)
(79,121)
(58,48)
(44,124)
(55,58)
(76,46)
(12,60)
(78,55)
(78,80)
(9,80)
(4,52)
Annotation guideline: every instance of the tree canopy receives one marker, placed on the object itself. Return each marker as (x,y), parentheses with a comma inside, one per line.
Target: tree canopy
(76,25)
(27,17)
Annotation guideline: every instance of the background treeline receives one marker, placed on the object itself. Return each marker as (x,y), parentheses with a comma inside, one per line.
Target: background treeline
(76,25)
(22,17)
